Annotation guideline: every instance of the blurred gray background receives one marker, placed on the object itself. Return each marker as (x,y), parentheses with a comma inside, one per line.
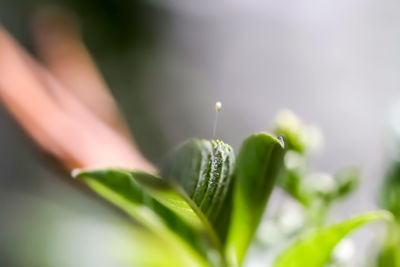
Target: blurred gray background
(336,64)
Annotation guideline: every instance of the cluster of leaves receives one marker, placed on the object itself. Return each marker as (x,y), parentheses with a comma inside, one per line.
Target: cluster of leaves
(206,204)
(205,207)
(314,191)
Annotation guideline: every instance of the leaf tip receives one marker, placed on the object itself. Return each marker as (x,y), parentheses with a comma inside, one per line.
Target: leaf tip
(75,173)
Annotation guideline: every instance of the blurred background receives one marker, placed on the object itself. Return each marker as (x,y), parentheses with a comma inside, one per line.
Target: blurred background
(335,64)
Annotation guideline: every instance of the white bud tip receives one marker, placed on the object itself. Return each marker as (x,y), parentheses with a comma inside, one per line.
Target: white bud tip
(218,106)
(281,141)
(75,172)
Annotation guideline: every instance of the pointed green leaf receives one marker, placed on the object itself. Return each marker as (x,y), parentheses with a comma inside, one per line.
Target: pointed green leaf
(257,168)
(71,239)
(315,249)
(153,202)
(204,170)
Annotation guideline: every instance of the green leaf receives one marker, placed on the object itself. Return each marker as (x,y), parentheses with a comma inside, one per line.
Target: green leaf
(291,181)
(390,199)
(348,180)
(204,170)
(257,168)
(390,194)
(148,249)
(389,253)
(315,249)
(153,202)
